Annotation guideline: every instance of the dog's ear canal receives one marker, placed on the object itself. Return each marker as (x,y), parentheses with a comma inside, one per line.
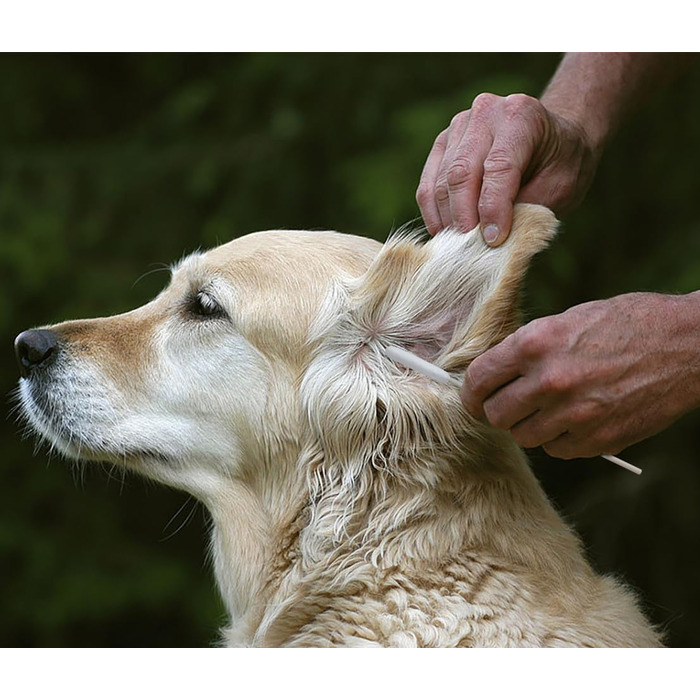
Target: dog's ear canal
(454,297)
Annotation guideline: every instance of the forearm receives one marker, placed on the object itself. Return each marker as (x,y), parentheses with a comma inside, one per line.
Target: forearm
(597,91)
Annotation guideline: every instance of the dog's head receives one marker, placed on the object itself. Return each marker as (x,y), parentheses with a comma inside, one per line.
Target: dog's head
(271,347)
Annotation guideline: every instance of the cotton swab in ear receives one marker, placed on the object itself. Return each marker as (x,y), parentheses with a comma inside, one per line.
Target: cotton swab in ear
(418,364)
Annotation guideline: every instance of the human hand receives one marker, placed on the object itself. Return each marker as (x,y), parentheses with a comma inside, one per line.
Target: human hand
(594,379)
(501,151)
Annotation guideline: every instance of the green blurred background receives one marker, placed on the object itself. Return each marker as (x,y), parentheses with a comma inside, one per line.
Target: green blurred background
(113,165)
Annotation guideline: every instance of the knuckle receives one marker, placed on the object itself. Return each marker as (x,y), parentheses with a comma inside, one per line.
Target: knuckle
(424,194)
(459,173)
(519,103)
(498,163)
(524,124)
(553,381)
(490,206)
(500,184)
(581,415)
(471,405)
(525,116)
(475,379)
(532,340)
(459,119)
(442,191)
(440,143)
(441,139)
(484,102)
(494,416)
(465,395)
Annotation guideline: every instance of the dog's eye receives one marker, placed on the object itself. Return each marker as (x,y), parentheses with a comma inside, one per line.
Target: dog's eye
(203,305)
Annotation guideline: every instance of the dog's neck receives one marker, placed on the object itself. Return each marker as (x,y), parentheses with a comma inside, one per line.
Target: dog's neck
(254,530)
(272,546)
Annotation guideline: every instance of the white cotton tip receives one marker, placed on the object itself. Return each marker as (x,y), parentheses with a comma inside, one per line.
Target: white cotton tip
(418,364)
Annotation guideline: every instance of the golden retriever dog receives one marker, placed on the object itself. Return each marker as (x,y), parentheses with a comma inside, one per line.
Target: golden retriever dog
(354,502)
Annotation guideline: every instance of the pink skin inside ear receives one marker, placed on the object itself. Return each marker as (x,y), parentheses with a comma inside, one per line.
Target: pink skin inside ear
(435,333)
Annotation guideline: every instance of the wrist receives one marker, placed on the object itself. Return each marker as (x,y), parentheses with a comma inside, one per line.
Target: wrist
(594,91)
(593,127)
(684,338)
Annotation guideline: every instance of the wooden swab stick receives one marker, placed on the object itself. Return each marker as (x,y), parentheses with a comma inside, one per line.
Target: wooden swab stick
(417,364)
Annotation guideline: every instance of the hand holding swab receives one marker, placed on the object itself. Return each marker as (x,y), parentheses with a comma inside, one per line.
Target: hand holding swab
(417,364)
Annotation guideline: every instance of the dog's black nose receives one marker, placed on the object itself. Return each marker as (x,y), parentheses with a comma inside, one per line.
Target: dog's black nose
(34,349)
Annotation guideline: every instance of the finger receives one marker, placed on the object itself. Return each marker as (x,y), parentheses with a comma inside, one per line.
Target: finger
(567,446)
(589,442)
(487,373)
(509,157)
(465,174)
(425,195)
(537,429)
(458,126)
(502,174)
(512,404)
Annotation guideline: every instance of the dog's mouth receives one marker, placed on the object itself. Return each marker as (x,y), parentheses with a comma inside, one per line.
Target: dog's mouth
(145,455)
(86,433)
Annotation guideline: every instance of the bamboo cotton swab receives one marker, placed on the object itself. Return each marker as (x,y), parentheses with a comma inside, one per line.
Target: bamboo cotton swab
(417,364)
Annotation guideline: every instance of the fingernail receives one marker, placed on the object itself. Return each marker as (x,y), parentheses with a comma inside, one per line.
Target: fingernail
(490,233)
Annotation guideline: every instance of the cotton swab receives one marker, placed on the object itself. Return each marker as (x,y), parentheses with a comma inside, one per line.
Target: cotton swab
(418,364)
(622,463)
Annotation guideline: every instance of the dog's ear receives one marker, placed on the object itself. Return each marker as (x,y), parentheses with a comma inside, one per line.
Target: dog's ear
(447,301)
(454,297)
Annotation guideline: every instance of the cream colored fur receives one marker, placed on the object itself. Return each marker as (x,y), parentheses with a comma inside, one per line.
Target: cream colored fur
(354,503)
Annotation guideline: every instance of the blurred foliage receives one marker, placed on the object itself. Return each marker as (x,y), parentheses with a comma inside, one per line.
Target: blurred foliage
(113,165)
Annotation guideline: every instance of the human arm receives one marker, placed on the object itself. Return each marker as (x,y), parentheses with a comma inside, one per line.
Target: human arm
(594,379)
(520,149)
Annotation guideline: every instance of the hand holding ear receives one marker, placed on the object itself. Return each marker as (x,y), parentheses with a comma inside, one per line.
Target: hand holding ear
(594,379)
(501,151)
